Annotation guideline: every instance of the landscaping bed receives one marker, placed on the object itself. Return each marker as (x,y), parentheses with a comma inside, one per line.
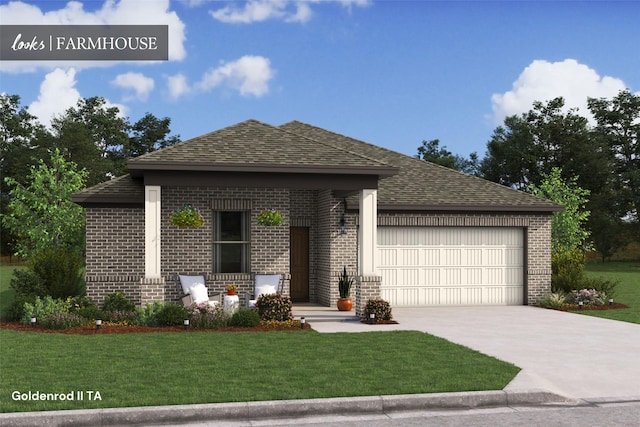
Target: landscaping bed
(90,329)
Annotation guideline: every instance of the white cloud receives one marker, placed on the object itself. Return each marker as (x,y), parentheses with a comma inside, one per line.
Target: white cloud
(123,12)
(249,75)
(178,86)
(263,10)
(543,81)
(138,82)
(57,94)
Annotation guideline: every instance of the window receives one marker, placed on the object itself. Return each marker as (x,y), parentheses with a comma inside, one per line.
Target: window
(231,242)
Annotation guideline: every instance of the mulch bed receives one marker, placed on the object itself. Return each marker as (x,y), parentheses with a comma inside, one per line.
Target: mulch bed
(576,307)
(119,329)
(380,322)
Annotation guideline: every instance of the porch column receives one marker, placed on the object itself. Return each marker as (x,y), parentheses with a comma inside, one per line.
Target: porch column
(368,236)
(152,231)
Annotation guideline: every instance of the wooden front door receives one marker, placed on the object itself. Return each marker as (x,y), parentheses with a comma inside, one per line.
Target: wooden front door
(299,247)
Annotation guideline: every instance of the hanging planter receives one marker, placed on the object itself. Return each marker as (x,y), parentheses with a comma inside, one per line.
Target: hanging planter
(187,217)
(270,217)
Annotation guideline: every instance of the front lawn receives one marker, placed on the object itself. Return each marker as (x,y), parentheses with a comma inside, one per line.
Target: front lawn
(627,292)
(209,367)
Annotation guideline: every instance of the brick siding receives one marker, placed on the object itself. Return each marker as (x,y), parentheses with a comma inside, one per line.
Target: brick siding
(115,243)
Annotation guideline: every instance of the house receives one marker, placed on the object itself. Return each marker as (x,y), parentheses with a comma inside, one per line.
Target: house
(412,232)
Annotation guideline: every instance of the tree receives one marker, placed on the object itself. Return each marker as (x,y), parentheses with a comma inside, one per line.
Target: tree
(567,227)
(430,151)
(41,214)
(531,145)
(618,126)
(149,134)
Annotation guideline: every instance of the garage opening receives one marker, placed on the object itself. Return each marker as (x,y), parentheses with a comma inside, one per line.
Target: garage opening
(432,266)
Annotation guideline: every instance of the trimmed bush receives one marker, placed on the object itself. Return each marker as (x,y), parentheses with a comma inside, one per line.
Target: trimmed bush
(567,271)
(245,318)
(43,307)
(117,301)
(379,307)
(274,307)
(206,316)
(15,312)
(171,315)
(61,270)
(27,282)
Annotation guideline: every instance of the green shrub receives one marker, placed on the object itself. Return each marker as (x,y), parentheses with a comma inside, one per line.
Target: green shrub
(43,307)
(567,271)
(602,285)
(62,321)
(245,318)
(117,301)
(554,300)
(120,317)
(147,315)
(274,307)
(171,315)
(84,307)
(206,316)
(568,274)
(379,307)
(15,312)
(27,282)
(61,270)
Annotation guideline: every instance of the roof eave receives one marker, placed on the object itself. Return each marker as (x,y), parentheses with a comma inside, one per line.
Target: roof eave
(389,207)
(137,169)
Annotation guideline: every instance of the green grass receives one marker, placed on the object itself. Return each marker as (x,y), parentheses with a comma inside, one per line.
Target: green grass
(627,291)
(208,367)
(6,293)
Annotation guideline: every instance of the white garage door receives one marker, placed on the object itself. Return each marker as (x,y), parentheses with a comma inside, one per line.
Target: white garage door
(451,265)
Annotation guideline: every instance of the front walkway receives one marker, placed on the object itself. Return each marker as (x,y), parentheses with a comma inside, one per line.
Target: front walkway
(570,354)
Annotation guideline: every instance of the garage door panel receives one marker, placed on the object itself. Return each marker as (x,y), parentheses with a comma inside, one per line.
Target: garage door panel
(451,265)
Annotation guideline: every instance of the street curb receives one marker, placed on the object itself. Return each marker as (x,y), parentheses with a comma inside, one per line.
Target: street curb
(281,409)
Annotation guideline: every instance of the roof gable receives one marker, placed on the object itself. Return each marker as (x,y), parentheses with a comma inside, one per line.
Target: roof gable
(252,146)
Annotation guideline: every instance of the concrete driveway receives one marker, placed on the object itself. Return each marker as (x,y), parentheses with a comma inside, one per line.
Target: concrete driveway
(569,354)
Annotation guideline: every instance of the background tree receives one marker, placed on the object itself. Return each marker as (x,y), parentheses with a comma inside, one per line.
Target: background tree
(18,131)
(41,214)
(430,151)
(567,227)
(618,127)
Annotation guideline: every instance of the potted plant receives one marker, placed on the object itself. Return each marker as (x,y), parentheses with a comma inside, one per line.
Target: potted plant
(231,289)
(186,217)
(345,303)
(270,217)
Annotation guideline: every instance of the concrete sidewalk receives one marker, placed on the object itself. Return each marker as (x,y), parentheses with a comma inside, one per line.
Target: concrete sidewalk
(248,412)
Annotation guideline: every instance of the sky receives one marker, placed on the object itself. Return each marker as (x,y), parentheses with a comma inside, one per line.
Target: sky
(392,73)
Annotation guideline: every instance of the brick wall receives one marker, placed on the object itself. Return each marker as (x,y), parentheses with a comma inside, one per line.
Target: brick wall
(115,242)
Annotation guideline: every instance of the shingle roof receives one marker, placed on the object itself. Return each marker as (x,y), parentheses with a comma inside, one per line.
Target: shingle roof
(121,190)
(258,147)
(422,185)
(406,183)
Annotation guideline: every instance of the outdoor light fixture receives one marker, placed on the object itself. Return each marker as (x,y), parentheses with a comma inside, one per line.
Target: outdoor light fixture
(372,318)
(610,301)
(302,322)
(33,322)
(98,323)
(342,228)
(185,322)
(580,304)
